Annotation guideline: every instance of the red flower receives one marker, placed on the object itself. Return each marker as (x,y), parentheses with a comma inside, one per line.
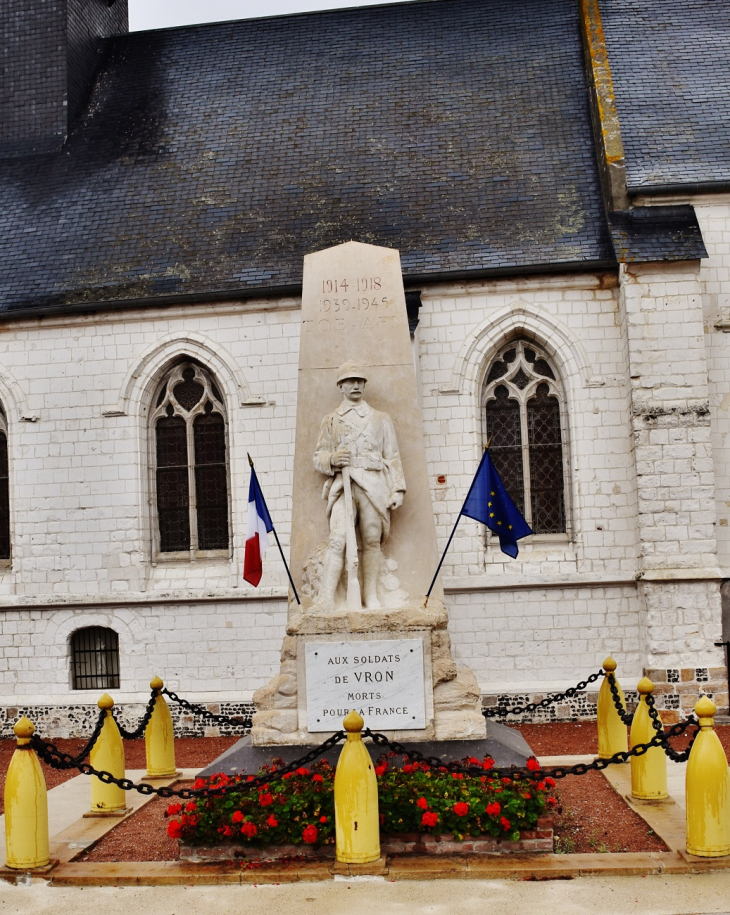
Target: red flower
(225,831)
(550,782)
(272,821)
(506,781)
(237,816)
(174,809)
(488,763)
(249,829)
(250,778)
(473,761)
(199,783)
(174,829)
(301,771)
(493,809)
(408,768)
(422,803)
(429,819)
(323,819)
(457,775)
(532,764)
(317,778)
(540,786)
(191,807)
(461,809)
(505,823)
(265,800)
(310,834)
(381,770)
(552,802)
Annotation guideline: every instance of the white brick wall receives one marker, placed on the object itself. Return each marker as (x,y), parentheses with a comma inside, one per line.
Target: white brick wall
(79,485)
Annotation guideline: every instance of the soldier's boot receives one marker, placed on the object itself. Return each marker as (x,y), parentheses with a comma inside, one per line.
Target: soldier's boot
(370,575)
(334,562)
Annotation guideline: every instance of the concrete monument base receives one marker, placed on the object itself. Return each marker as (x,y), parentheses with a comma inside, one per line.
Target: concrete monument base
(452,694)
(506,747)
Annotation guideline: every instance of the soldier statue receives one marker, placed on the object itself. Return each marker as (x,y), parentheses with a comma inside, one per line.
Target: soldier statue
(357,450)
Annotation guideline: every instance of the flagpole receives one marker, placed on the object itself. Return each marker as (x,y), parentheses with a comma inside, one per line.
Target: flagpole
(451,537)
(276,537)
(441,561)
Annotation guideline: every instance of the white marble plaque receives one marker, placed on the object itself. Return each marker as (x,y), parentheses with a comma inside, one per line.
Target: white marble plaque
(383,680)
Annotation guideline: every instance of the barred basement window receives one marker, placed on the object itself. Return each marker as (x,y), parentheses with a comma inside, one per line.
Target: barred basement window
(95,658)
(523,399)
(4,489)
(190,463)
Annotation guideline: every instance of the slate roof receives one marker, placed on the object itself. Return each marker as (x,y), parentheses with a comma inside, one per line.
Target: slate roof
(656,233)
(212,158)
(670,62)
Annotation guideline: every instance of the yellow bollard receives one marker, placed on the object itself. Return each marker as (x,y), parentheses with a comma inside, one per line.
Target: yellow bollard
(612,733)
(357,826)
(159,738)
(648,772)
(707,783)
(26,805)
(107,755)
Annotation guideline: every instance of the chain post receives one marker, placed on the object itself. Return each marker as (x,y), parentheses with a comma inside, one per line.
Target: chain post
(26,805)
(357,826)
(107,754)
(649,771)
(707,786)
(612,734)
(159,737)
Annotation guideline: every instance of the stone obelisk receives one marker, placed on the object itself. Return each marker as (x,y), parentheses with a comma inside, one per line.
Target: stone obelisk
(363,544)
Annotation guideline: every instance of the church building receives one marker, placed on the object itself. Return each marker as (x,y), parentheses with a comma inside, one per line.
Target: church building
(556,177)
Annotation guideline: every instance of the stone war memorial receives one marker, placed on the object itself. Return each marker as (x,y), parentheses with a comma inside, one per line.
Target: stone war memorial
(363,547)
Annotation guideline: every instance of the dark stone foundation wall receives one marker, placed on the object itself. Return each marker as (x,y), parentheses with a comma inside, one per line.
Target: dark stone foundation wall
(676,691)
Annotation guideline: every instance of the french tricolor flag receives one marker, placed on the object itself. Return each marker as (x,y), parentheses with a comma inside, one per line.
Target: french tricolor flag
(258,525)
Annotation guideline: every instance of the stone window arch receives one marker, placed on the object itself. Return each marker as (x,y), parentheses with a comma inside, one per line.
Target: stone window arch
(4,488)
(94,658)
(189,459)
(524,415)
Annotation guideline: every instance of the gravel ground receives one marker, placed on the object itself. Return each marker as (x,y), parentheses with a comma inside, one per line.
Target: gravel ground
(591,817)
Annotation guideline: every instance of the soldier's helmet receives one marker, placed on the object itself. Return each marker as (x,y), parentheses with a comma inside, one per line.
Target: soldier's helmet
(351,370)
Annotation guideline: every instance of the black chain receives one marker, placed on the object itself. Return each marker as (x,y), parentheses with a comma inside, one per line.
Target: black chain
(57,759)
(203,712)
(140,729)
(498,712)
(514,772)
(626,717)
(81,756)
(675,755)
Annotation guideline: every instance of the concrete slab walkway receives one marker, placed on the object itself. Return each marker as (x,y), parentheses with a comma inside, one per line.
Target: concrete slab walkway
(703,894)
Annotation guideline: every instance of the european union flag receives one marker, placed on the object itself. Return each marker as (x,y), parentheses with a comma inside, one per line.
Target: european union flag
(489,502)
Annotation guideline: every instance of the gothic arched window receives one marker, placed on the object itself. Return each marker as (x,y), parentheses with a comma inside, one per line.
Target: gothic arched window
(190,463)
(522,400)
(4,489)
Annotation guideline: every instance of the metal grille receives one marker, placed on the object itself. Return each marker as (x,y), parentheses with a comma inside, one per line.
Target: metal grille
(95,658)
(4,499)
(211,486)
(504,431)
(173,487)
(547,487)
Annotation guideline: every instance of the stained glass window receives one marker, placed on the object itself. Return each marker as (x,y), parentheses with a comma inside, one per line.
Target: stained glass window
(4,490)
(191,463)
(522,398)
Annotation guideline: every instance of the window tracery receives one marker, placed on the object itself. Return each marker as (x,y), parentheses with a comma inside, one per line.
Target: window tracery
(190,463)
(524,427)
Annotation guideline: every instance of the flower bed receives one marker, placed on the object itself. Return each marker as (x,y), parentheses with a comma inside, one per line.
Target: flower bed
(422,809)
